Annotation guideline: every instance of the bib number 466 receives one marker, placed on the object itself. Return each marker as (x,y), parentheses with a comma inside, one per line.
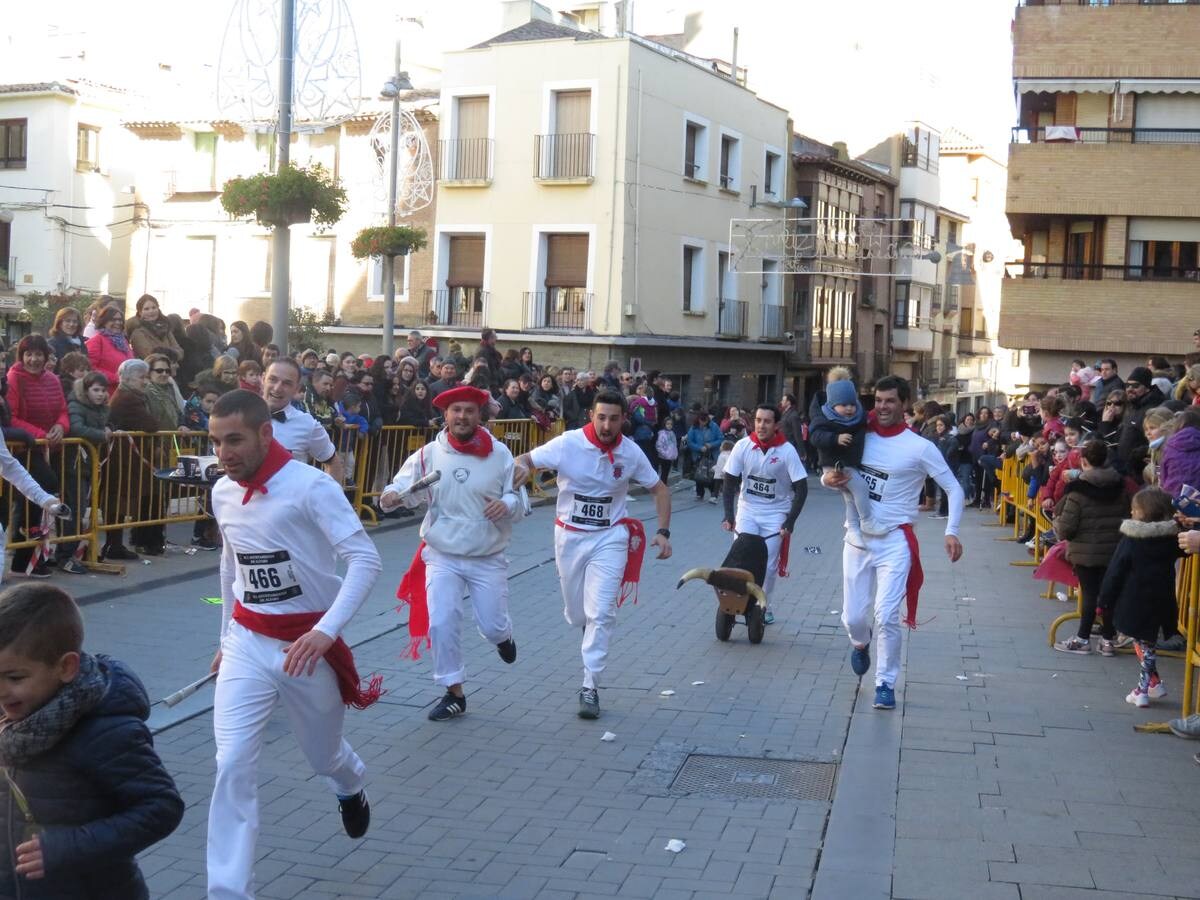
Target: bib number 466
(262,579)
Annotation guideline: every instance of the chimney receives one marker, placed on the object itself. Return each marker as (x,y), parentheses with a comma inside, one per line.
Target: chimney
(840,152)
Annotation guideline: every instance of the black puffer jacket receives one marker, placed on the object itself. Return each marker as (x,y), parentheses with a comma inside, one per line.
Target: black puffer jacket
(1132,445)
(1140,581)
(100,796)
(1089,516)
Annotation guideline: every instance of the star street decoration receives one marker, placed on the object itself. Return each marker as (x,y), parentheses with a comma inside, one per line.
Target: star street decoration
(414,164)
(327,70)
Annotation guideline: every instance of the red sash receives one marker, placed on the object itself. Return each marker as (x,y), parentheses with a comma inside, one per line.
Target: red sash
(633,561)
(916,577)
(412,592)
(785,545)
(290,627)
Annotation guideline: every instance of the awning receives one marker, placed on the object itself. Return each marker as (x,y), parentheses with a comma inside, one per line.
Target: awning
(1160,85)
(1163,229)
(1108,85)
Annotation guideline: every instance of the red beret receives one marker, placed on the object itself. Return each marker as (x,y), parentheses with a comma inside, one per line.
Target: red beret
(461,394)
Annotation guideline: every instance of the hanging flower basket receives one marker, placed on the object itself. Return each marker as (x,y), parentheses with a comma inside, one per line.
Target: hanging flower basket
(288,197)
(385,240)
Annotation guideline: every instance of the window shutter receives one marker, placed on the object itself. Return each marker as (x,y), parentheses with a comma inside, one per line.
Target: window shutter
(572,112)
(466,262)
(472,118)
(566,260)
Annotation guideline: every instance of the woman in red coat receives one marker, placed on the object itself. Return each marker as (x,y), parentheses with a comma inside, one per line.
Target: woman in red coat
(109,347)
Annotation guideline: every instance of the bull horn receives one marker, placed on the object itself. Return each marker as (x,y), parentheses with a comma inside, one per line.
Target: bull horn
(702,574)
(757,593)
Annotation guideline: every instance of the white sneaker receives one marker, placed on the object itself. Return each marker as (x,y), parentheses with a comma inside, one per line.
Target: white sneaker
(1074,645)
(1157,690)
(1138,698)
(713,500)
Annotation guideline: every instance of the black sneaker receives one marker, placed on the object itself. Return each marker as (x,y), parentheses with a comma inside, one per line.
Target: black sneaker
(356,814)
(73,567)
(205,544)
(118,551)
(448,707)
(507,650)
(41,570)
(589,703)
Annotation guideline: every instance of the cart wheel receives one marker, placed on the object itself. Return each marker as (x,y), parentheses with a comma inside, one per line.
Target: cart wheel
(755,626)
(724,625)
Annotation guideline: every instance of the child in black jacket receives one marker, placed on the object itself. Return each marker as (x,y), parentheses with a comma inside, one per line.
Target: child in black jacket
(1140,583)
(839,432)
(82,791)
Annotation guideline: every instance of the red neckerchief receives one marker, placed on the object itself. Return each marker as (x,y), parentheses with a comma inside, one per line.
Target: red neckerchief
(277,457)
(290,626)
(589,432)
(776,441)
(882,430)
(479,444)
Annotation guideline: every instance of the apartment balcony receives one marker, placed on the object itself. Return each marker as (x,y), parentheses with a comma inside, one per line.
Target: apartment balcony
(1099,179)
(773,322)
(732,318)
(565,158)
(466,162)
(913,334)
(974,345)
(1097,316)
(8,275)
(460,307)
(563,310)
(1106,38)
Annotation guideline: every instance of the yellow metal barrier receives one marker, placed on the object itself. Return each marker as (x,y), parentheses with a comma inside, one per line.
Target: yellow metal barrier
(74,465)
(130,496)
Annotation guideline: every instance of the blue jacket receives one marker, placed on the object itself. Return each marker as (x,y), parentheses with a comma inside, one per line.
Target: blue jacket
(698,439)
(100,796)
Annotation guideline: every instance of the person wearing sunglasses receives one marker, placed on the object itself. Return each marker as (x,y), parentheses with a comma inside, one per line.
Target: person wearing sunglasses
(1141,396)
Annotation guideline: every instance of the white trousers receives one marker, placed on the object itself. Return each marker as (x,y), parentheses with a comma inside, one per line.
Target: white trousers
(754,522)
(876,577)
(590,566)
(447,578)
(249,685)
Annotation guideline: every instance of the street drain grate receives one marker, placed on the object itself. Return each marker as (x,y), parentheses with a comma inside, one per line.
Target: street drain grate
(744,777)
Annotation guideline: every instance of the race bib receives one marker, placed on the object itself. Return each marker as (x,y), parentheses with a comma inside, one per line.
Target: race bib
(875,479)
(758,486)
(268,577)
(594,511)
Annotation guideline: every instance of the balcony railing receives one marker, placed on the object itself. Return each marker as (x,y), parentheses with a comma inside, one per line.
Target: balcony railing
(459,307)
(973,345)
(558,309)
(1108,3)
(1089,272)
(8,276)
(465,160)
(731,318)
(772,322)
(910,319)
(912,157)
(559,157)
(1071,134)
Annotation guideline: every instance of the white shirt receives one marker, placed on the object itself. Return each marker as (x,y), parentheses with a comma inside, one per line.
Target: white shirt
(592,490)
(455,522)
(766,477)
(303,436)
(282,547)
(895,469)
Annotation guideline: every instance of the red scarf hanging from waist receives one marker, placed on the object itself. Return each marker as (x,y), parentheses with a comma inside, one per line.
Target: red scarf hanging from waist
(916,577)
(633,561)
(277,457)
(290,626)
(776,441)
(479,444)
(589,432)
(412,592)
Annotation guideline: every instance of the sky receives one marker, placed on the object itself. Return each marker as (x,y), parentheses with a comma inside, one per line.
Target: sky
(851,70)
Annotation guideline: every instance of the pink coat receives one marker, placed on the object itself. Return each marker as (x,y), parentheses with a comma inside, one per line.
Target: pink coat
(105,358)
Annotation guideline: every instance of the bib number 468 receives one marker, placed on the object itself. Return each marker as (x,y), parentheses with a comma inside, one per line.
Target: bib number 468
(592,509)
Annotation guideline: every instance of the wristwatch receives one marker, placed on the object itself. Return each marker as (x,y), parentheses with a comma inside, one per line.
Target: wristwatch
(665,532)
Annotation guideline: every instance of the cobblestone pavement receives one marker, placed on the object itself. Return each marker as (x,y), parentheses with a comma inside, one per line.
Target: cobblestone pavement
(1008,770)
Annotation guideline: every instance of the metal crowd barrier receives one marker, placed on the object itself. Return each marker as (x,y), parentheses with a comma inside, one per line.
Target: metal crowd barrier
(74,467)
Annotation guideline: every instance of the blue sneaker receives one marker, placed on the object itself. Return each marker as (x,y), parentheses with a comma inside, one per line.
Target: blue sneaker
(860,660)
(768,618)
(885,697)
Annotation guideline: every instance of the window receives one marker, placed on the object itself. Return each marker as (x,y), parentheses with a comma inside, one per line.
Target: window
(564,301)
(566,152)
(772,179)
(265,145)
(913,303)
(725,281)
(87,148)
(259,270)
(919,223)
(1164,248)
(921,148)
(464,298)
(693,279)
(695,150)
(204,163)
(731,162)
(469,156)
(12,143)
(399,279)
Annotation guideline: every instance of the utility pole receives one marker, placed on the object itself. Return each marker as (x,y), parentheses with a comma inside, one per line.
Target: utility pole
(281,237)
(389,261)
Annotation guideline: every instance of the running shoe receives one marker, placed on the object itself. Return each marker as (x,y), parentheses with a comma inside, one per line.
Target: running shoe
(589,703)
(117,551)
(1157,690)
(1188,728)
(1138,698)
(1074,645)
(1122,641)
(507,650)
(768,618)
(860,660)
(74,567)
(1175,642)
(885,697)
(205,544)
(448,707)
(356,814)
(1107,647)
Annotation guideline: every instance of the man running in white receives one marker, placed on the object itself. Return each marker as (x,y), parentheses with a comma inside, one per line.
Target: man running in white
(285,525)
(597,547)
(766,477)
(301,435)
(463,539)
(883,570)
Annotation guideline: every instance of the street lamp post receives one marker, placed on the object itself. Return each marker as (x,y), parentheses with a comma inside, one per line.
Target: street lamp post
(281,237)
(392,88)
